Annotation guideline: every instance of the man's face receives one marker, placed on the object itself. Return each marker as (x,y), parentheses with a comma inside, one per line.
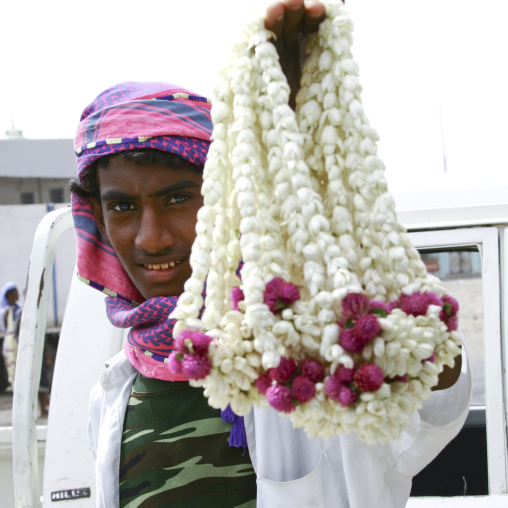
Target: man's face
(148,214)
(12,296)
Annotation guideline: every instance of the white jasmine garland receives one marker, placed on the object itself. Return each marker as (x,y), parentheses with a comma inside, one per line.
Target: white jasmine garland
(332,318)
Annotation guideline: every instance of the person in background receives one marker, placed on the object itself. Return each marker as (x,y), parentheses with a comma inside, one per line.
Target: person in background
(4,380)
(10,317)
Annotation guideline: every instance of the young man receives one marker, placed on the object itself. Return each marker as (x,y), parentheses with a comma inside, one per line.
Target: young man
(141,148)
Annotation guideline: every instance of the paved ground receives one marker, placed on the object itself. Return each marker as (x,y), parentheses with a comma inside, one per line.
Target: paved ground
(6,410)
(468,292)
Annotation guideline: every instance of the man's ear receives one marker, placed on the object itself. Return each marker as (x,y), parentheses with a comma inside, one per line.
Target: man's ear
(96,207)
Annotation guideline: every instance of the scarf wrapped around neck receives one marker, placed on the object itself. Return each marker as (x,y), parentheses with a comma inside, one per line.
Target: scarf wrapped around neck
(131,116)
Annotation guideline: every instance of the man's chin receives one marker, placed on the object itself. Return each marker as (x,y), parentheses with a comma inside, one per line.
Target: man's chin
(156,283)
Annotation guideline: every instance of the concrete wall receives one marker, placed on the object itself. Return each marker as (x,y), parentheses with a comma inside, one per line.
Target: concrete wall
(12,188)
(17,229)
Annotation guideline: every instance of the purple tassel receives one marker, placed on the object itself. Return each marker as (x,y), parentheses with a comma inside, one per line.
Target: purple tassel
(228,415)
(237,436)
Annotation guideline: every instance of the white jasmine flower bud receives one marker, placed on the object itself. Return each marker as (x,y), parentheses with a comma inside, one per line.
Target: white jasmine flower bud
(397,253)
(220,112)
(334,116)
(329,135)
(349,66)
(311,111)
(352,83)
(226,366)
(325,60)
(328,83)
(270,359)
(287,314)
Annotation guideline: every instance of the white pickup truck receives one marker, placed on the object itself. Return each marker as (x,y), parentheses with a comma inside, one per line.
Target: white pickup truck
(41,465)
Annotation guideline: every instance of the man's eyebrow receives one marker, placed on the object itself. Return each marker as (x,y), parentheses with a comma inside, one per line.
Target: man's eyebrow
(115,195)
(178,186)
(181,185)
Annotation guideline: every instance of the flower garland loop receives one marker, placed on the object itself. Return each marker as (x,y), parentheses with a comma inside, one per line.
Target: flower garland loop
(331,318)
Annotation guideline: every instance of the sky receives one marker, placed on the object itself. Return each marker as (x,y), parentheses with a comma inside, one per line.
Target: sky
(434,74)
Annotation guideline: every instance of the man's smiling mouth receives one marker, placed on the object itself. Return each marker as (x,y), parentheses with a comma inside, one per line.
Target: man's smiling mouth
(162,266)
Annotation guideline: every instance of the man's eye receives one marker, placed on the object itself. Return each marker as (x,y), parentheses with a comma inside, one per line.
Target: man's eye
(178,198)
(122,207)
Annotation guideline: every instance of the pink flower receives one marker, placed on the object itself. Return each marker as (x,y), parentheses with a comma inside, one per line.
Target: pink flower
(271,300)
(303,389)
(347,396)
(415,304)
(289,293)
(401,379)
(449,313)
(344,374)
(174,364)
(312,369)
(452,323)
(369,378)
(333,386)
(454,306)
(195,366)
(367,327)
(351,340)
(393,305)
(278,294)
(283,371)
(354,304)
(263,383)
(200,342)
(271,293)
(339,391)
(236,296)
(433,298)
(180,344)
(376,306)
(274,286)
(279,397)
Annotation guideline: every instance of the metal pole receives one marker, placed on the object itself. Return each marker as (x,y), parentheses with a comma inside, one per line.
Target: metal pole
(51,207)
(445,167)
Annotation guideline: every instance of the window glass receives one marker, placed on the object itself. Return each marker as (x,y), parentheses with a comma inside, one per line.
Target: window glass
(461,468)
(460,271)
(27,198)
(56,195)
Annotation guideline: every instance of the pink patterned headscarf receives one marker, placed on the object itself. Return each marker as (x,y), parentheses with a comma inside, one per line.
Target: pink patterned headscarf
(125,117)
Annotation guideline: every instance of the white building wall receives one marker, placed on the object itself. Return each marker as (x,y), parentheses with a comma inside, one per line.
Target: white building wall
(17,229)
(12,188)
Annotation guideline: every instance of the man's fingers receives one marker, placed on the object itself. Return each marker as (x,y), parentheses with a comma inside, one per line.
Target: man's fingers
(274,18)
(314,14)
(293,20)
(285,19)
(290,19)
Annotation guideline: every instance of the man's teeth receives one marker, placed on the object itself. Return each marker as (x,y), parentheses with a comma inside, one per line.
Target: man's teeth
(163,266)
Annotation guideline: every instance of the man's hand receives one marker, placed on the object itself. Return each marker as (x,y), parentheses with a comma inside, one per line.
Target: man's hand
(292,21)
(449,376)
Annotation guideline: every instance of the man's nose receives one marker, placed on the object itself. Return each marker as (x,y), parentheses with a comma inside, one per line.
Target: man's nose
(154,235)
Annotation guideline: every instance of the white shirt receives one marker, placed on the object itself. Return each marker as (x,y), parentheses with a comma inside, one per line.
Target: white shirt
(292,470)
